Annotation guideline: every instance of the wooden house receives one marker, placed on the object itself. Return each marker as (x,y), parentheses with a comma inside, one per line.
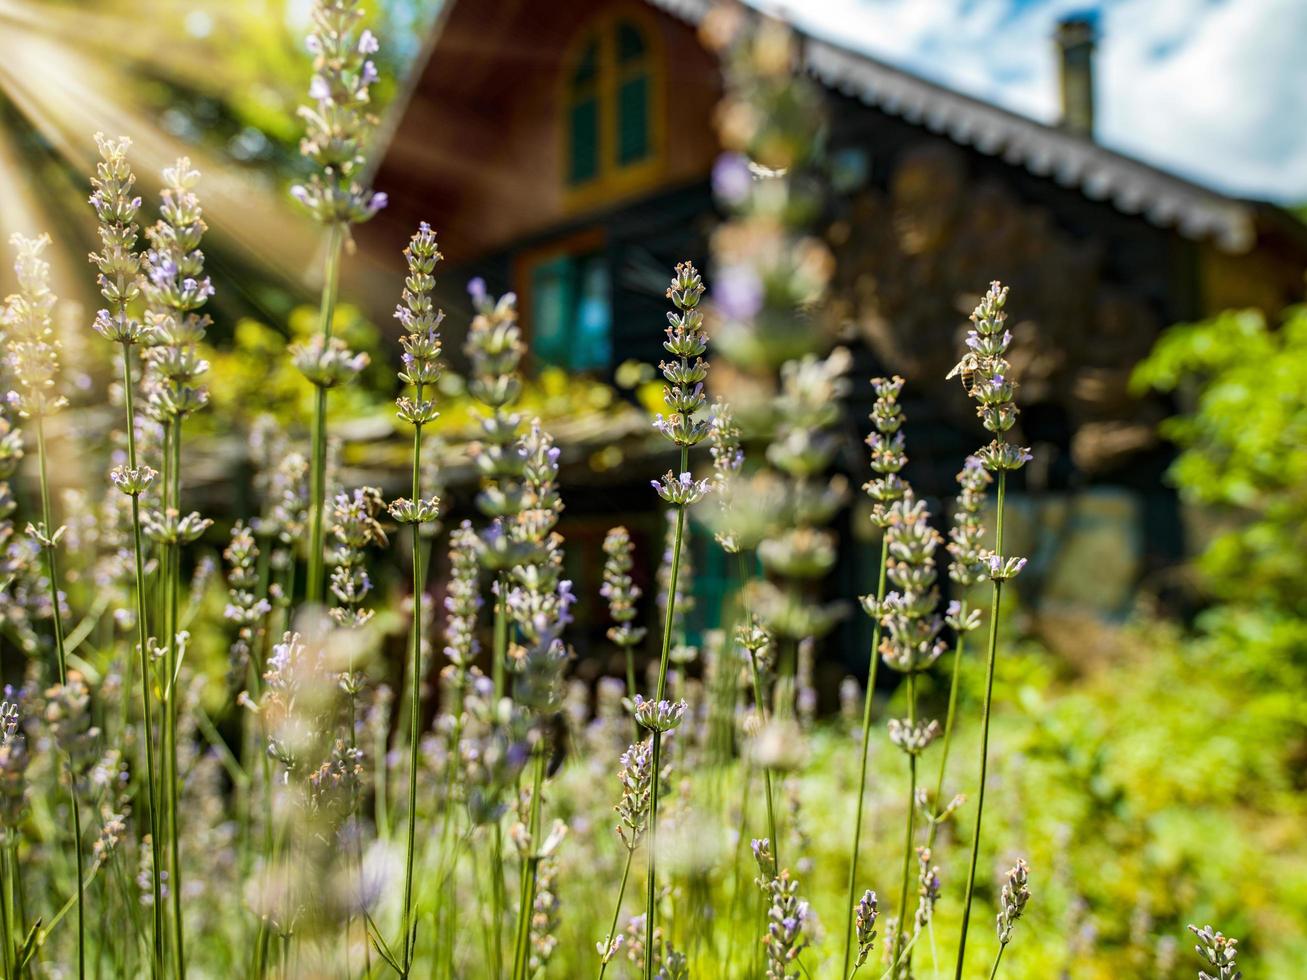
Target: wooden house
(564,151)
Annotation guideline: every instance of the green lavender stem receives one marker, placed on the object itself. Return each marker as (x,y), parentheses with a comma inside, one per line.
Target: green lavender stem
(11,930)
(522,952)
(318,471)
(630,684)
(912,812)
(170,716)
(948,734)
(258,661)
(501,634)
(249,748)
(651,891)
(497,864)
(497,898)
(862,764)
(617,913)
(142,635)
(288,591)
(58,623)
(415,694)
(984,730)
(354,807)
(766,772)
(997,959)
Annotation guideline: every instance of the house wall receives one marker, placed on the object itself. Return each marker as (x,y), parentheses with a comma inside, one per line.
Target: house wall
(1268,278)
(479,150)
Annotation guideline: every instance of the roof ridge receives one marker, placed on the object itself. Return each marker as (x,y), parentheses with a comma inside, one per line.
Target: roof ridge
(1100,173)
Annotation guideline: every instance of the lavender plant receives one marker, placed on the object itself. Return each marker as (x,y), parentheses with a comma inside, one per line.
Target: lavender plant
(758,644)
(986,374)
(284,520)
(636,777)
(494,346)
(622,594)
(421,370)
(911,645)
(727,463)
(1217,951)
(175,290)
(885,489)
(683,395)
(865,914)
(33,361)
(787,915)
(119,276)
(246,608)
(799,550)
(19,941)
(1012,905)
(337,124)
(966,569)
(539,605)
(462,604)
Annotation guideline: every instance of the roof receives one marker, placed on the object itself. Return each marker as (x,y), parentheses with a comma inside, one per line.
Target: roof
(1073,161)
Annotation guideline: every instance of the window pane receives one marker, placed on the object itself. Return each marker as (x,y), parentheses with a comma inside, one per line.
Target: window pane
(633,120)
(587,66)
(630,43)
(583,142)
(592,347)
(551,309)
(571,313)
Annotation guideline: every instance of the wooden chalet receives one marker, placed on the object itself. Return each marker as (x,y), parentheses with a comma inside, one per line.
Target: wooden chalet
(564,151)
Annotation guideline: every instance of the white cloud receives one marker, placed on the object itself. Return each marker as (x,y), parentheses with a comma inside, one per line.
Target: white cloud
(1215,90)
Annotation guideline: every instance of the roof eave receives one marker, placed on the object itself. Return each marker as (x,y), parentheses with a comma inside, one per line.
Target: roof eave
(1100,174)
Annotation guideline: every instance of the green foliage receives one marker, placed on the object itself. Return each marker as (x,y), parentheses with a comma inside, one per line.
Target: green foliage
(1178,806)
(255,373)
(1243,384)
(1211,782)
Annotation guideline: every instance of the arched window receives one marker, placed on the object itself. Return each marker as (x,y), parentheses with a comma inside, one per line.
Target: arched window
(583,115)
(612,107)
(634,86)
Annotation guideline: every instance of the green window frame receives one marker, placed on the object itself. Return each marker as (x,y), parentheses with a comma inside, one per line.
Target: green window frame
(583,115)
(634,139)
(571,312)
(609,104)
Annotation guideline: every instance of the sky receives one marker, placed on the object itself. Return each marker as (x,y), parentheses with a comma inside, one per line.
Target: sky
(1213,90)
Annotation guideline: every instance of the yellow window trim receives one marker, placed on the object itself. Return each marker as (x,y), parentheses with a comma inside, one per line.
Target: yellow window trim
(613,181)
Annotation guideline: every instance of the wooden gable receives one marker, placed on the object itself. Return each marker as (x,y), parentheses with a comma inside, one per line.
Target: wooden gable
(481,150)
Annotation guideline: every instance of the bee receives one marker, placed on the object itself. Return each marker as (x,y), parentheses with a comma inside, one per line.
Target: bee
(966,370)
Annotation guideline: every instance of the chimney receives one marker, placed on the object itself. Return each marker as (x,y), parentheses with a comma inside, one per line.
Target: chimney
(1075,37)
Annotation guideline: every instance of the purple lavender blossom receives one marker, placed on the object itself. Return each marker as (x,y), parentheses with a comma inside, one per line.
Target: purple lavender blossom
(731,179)
(739,293)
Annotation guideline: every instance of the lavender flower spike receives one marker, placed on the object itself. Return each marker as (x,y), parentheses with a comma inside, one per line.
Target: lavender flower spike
(659,716)
(1219,951)
(865,914)
(339,123)
(1012,901)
